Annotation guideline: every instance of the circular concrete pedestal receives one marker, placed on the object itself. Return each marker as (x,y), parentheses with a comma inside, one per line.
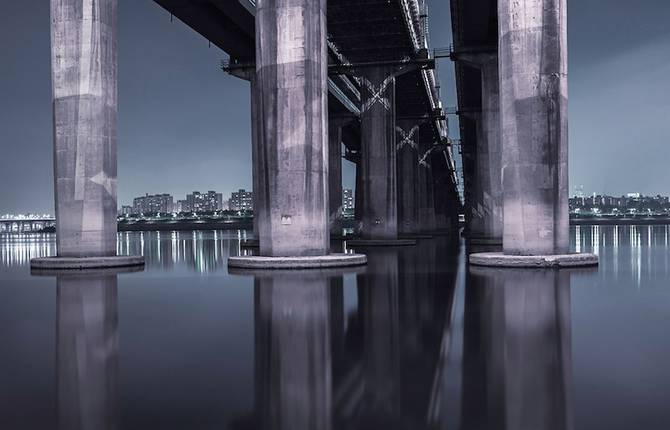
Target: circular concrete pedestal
(381,242)
(498,259)
(74,263)
(316,262)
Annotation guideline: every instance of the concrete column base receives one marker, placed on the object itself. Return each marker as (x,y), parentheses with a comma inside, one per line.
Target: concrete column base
(82,263)
(498,259)
(381,242)
(310,262)
(485,241)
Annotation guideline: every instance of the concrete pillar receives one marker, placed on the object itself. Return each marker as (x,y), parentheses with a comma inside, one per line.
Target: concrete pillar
(517,350)
(292,73)
(378,155)
(335,176)
(407,153)
(534,118)
(293,351)
(256,174)
(358,196)
(425,187)
(444,198)
(87,352)
(84,79)
(486,218)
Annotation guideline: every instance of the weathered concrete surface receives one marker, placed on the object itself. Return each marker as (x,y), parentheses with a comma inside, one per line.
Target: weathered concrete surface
(534,118)
(407,153)
(425,186)
(486,218)
(256,139)
(335,176)
(78,263)
(84,80)
(292,74)
(500,259)
(309,262)
(379,219)
(517,350)
(87,352)
(293,351)
(358,197)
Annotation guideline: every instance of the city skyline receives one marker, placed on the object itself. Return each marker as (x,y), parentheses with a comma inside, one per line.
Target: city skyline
(196,134)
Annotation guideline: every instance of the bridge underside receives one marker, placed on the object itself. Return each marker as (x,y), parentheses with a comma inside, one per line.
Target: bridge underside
(359,32)
(475,29)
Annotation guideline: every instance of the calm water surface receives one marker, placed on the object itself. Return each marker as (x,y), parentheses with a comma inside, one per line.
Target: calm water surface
(415,340)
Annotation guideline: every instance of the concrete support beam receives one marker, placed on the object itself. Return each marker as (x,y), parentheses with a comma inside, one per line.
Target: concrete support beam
(426,187)
(358,196)
(486,218)
(335,176)
(292,163)
(534,117)
(407,153)
(256,174)
(378,154)
(84,80)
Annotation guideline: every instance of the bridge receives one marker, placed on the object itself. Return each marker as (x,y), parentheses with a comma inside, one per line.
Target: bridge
(511,76)
(369,46)
(358,73)
(25,224)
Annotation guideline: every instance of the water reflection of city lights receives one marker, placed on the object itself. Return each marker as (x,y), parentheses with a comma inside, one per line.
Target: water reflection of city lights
(201,251)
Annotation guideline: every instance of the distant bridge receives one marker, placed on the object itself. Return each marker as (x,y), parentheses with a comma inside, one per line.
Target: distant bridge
(26,225)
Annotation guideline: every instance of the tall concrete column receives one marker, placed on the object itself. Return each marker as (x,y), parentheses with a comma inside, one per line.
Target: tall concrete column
(293,351)
(335,176)
(534,118)
(358,196)
(486,218)
(84,80)
(378,155)
(292,72)
(407,153)
(425,185)
(257,174)
(87,352)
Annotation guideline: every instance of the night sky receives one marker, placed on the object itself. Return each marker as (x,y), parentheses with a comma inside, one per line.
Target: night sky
(184,124)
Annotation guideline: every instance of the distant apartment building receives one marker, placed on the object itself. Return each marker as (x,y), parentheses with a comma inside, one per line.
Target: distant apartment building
(180,206)
(149,204)
(241,200)
(348,201)
(203,202)
(126,210)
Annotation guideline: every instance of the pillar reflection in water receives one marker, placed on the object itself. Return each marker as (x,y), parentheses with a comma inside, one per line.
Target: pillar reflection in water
(379,309)
(405,305)
(87,352)
(517,350)
(293,350)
